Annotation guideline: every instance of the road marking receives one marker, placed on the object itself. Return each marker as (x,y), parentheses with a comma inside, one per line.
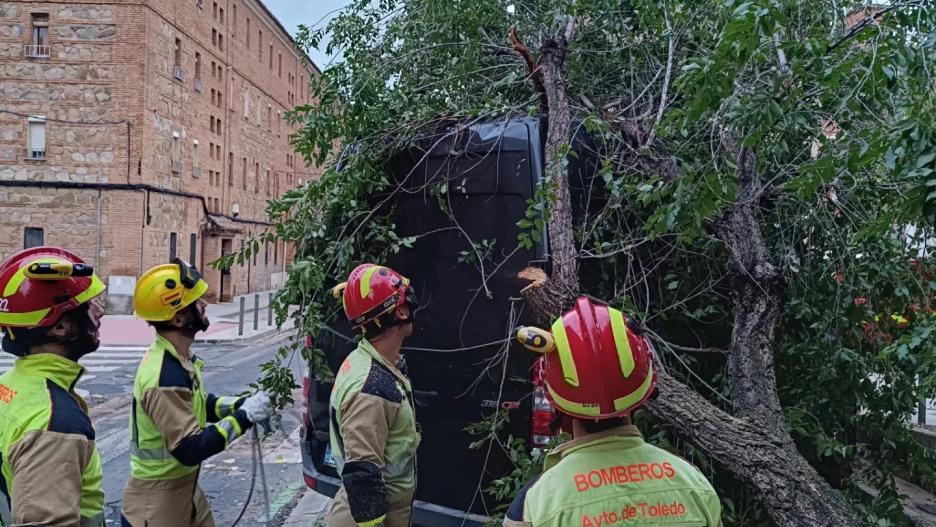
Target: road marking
(284,497)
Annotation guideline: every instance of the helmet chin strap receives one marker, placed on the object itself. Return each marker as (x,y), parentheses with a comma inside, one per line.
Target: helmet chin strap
(197,322)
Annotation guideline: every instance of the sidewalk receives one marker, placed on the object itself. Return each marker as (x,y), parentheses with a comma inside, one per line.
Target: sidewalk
(127,330)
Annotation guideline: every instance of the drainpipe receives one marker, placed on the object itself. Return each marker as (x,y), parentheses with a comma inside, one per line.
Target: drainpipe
(97,260)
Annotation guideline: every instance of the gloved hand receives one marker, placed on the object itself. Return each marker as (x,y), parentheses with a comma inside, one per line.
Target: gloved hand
(258,407)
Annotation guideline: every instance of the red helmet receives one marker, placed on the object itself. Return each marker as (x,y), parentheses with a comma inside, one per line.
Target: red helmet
(597,366)
(39,285)
(372,291)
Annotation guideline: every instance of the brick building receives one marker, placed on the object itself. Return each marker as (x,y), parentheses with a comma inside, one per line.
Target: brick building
(134,130)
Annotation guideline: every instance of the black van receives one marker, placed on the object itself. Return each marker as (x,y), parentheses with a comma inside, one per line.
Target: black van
(460,359)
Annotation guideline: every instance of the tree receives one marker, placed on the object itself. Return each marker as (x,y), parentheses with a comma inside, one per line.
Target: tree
(766,178)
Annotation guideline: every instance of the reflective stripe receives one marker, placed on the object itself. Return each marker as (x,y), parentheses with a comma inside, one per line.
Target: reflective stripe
(229,428)
(96,288)
(94,521)
(578,408)
(629,401)
(20,275)
(372,523)
(621,342)
(569,373)
(366,278)
(30,318)
(149,454)
(224,406)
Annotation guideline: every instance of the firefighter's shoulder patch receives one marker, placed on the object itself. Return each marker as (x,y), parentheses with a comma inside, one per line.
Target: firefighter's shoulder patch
(381,383)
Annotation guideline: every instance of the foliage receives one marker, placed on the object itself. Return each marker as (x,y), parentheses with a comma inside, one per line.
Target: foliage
(840,119)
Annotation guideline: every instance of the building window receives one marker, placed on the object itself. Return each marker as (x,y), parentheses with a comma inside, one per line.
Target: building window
(266,252)
(231,169)
(234,20)
(196,165)
(212,125)
(36,141)
(221,15)
(219,126)
(172,245)
(248,32)
(244,173)
(212,96)
(271,57)
(269,118)
(221,47)
(192,239)
(33,237)
(281,65)
(279,123)
(178,53)
(275,252)
(219,100)
(176,153)
(214,37)
(257,178)
(214,11)
(268,180)
(197,66)
(40,36)
(260,45)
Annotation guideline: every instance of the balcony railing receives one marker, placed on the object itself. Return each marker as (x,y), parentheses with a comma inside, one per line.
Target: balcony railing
(38,51)
(178,73)
(36,154)
(176,167)
(199,85)
(196,172)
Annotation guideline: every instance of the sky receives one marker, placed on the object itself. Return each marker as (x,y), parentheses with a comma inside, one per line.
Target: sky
(291,13)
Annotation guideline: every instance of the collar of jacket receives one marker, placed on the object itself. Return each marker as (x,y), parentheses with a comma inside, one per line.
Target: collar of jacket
(187,361)
(367,348)
(58,369)
(628,435)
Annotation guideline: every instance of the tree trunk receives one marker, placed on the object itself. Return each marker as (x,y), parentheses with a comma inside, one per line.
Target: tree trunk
(758,299)
(754,445)
(790,490)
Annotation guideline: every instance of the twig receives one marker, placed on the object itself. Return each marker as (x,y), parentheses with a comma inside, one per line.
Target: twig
(666,81)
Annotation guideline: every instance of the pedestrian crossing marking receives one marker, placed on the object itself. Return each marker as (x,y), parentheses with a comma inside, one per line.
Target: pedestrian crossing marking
(104,360)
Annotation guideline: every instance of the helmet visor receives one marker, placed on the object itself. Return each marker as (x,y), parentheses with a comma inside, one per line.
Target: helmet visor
(188,273)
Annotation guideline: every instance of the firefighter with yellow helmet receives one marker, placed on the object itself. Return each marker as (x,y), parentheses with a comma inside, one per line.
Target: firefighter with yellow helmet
(174,423)
(50,312)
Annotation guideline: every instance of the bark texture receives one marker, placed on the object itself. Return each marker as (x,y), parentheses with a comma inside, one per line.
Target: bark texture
(791,491)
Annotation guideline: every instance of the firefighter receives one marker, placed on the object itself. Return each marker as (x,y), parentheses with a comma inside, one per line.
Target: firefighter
(598,370)
(373,423)
(174,424)
(50,312)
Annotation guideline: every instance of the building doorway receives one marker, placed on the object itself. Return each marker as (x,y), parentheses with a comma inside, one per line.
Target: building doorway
(227,293)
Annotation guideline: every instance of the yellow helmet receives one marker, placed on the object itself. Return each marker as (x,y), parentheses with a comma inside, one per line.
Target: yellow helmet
(167,289)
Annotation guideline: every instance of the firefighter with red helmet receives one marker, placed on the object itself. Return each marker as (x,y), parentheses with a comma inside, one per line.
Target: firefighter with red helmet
(598,370)
(50,312)
(373,424)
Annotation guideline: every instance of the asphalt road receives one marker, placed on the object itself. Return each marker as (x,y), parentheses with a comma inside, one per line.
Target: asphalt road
(226,478)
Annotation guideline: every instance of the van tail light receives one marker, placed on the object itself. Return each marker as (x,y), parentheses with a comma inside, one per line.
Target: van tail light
(543,415)
(310,481)
(306,390)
